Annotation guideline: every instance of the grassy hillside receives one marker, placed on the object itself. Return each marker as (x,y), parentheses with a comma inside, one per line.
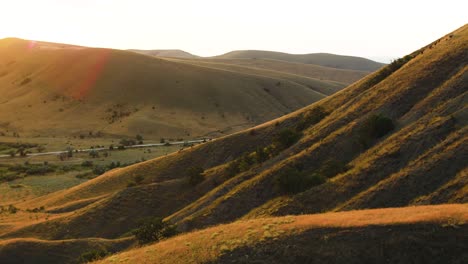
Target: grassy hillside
(124,93)
(393,139)
(64,251)
(427,234)
(298,69)
(322,59)
(167,53)
(317,82)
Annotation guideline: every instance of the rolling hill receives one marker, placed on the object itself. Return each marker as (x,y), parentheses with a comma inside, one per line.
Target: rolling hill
(395,139)
(167,53)
(124,93)
(322,59)
(297,69)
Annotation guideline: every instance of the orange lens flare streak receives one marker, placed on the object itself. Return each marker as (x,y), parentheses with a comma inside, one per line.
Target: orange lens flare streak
(93,75)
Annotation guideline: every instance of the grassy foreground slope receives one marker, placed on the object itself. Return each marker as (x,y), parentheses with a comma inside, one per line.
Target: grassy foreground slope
(125,93)
(334,157)
(322,59)
(423,234)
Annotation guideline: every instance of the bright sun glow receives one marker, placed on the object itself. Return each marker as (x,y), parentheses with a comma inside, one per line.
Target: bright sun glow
(374,29)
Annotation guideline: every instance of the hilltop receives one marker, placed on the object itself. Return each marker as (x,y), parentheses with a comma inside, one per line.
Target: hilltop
(322,59)
(396,138)
(171,53)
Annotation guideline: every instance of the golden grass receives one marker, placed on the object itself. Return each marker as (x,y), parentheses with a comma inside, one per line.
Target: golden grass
(157,97)
(208,244)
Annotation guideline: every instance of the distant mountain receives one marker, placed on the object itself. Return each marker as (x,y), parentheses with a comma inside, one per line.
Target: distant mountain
(167,53)
(322,59)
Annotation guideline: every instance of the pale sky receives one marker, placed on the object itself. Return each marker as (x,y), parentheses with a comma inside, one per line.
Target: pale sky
(374,29)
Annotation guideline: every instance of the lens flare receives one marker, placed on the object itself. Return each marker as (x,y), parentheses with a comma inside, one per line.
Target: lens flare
(31,44)
(92,75)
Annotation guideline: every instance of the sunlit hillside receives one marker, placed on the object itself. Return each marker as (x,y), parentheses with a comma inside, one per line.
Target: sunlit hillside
(74,90)
(393,142)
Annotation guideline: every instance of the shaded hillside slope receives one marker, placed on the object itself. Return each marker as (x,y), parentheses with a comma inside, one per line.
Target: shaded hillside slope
(318,83)
(334,150)
(426,234)
(322,59)
(308,70)
(64,251)
(167,53)
(121,92)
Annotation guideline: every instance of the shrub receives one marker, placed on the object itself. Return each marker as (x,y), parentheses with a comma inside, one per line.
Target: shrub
(376,126)
(127,142)
(12,209)
(311,117)
(154,229)
(287,138)
(261,155)
(292,181)
(98,170)
(380,125)
(93,255)
(195,175)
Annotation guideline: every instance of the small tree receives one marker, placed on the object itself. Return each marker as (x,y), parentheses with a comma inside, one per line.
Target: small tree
(154,229)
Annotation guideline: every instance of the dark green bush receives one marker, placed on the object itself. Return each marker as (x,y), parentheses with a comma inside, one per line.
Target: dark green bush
(98,170)
(378,126)
(374,127)
(293,181)
(93,255)
(154,229)
(287,138)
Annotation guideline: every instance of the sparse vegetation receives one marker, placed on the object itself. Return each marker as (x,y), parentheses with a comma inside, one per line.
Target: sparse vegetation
(93,255)
(154,229)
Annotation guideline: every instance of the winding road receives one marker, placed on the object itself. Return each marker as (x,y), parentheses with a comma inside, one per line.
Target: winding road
(115,148)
